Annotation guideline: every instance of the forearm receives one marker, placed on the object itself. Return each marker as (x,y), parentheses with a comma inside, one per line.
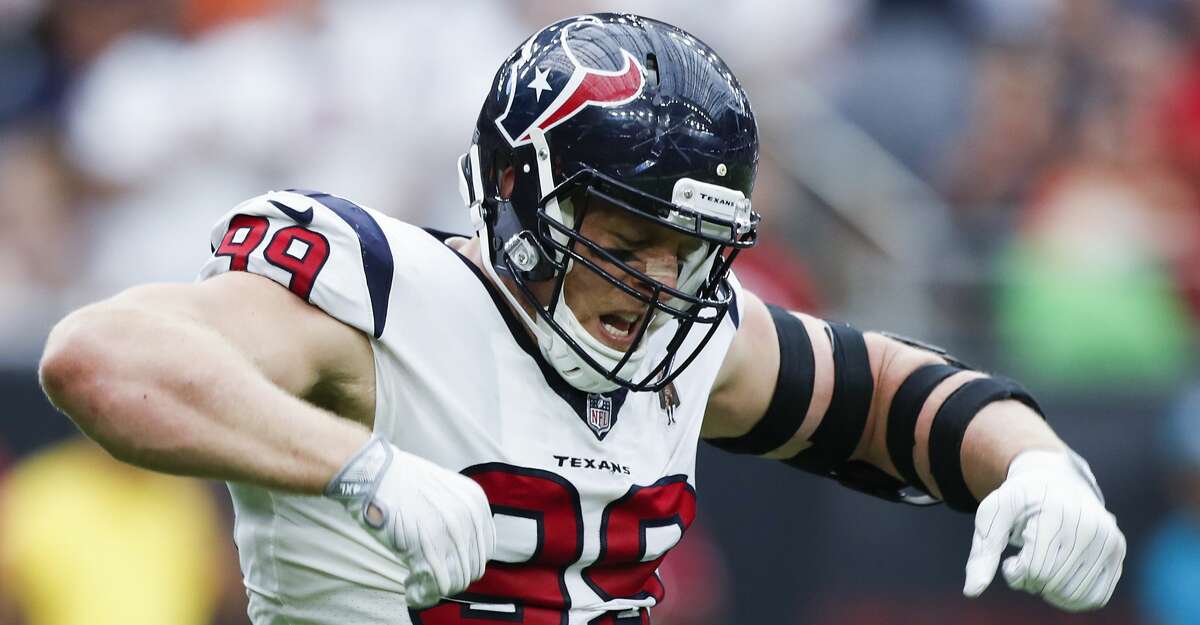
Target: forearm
(922,408)
(1000,432)
(166,393)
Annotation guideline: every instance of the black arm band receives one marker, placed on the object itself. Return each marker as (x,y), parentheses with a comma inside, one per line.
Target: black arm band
(842,426)
(950,425)
(902,417)
(793,390)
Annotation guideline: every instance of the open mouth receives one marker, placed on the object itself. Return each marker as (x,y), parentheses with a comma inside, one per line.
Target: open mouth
(619,328)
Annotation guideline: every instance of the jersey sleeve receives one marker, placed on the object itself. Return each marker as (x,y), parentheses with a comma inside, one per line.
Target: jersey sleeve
(327,250)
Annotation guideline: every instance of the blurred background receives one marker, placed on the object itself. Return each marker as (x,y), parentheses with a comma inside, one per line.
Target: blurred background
(1017,180)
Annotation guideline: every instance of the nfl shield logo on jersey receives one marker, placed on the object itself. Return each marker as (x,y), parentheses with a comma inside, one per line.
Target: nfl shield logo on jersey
(599,414)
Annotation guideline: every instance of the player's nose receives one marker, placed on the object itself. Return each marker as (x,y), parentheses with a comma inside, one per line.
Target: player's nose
(663,267)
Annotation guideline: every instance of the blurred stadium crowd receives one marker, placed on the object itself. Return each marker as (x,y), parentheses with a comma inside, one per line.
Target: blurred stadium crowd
(1018,180)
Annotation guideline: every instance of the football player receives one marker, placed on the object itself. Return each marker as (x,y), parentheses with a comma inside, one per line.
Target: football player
(418,427)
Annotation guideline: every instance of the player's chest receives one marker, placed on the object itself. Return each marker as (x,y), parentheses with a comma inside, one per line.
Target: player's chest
(588,492)
(497,404)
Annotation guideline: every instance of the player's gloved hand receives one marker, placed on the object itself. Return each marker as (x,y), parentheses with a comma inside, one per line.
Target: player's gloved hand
(438,521)
(1071,551)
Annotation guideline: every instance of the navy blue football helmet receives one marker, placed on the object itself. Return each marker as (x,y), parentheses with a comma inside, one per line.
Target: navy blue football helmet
(640,115)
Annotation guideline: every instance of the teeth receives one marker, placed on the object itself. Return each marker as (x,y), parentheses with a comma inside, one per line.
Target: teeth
(628,317)
(613,330)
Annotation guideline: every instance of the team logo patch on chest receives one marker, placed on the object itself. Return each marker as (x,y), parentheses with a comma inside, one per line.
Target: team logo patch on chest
(599,414)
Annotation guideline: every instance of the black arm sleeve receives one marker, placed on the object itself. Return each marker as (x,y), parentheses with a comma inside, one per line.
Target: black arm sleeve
(793,391)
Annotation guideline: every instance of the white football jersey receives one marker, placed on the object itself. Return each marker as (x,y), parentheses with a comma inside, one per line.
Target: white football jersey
(588,491)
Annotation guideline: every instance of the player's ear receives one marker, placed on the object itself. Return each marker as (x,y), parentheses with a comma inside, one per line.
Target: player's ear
(507,179)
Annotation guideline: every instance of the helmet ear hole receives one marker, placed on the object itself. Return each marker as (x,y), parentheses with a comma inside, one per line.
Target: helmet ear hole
(507,180)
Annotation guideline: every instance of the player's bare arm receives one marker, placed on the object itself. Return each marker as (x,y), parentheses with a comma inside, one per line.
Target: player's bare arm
(233,378)
(747,382)
(240,378)
(992,449)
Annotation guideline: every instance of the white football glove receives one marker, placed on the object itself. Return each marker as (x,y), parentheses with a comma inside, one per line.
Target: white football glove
(438,521)
(1071,551)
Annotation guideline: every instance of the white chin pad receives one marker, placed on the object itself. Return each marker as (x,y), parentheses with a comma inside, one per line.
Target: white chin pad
(577,372)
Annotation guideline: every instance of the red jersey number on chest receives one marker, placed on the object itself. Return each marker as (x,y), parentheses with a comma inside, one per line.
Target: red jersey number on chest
(536,588)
